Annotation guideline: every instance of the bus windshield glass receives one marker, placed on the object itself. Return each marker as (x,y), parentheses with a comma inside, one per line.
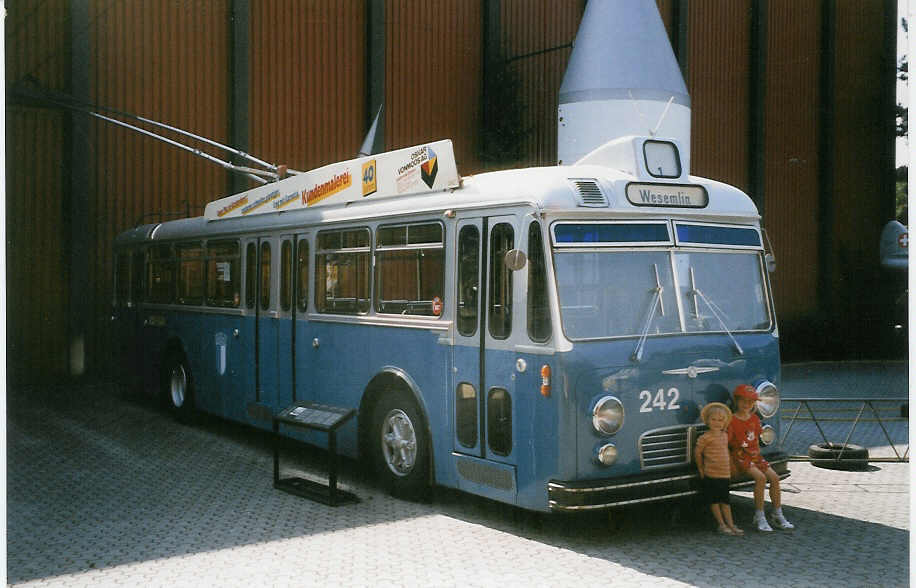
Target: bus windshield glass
(619,293)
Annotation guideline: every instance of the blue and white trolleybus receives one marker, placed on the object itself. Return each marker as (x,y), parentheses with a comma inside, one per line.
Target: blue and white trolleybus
(543,337)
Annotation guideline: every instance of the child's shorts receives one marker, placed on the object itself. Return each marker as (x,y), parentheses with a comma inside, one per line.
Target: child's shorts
(715,490)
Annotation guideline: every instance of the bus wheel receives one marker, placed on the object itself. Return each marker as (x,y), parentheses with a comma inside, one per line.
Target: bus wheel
(176,387)
(400,448)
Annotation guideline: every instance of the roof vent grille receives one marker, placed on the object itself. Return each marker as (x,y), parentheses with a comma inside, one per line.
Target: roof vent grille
(589,193)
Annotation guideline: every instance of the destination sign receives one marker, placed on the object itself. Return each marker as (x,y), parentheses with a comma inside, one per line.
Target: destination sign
(667,195)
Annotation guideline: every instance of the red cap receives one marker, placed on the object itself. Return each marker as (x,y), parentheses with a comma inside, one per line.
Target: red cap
(747,391)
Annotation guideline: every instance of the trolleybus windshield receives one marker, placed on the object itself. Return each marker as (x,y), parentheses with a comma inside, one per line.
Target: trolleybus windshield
(607,292)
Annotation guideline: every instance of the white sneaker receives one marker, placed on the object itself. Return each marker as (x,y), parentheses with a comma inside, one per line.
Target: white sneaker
(762,524)
(780,521)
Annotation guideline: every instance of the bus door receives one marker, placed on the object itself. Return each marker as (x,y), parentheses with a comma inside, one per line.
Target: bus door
(301,343)
(261,299)
(285,324)
(481,384)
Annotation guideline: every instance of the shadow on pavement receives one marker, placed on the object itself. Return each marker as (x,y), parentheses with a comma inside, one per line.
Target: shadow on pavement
(97,481)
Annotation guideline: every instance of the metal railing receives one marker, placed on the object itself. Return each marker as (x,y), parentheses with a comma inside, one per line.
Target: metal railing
(830,411)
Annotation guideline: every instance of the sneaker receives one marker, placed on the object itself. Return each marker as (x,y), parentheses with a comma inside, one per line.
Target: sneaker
(762,524)
(780,521)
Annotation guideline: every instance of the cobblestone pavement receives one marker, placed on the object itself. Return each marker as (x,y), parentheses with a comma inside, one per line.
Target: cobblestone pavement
(108,490)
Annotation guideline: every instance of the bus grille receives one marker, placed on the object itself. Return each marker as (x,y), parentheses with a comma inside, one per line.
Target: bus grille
(670,446)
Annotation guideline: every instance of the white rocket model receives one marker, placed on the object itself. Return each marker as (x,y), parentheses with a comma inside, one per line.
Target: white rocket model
(622,80)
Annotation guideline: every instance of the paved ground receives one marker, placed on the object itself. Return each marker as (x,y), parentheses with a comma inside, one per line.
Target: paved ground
(108,490)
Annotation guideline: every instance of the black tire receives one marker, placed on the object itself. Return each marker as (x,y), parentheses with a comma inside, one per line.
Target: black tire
(837,456)
(399,445)
(177,387)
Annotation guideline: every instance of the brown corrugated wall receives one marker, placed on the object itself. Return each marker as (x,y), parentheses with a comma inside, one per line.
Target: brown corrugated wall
(35,252)
(863,181)
(172,61)
(37,47)
(719,86)
(536,39)
(432,75)
(793,118)
(165,61)
(308,81)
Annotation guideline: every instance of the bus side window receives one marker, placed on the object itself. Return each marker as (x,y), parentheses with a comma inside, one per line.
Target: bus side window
(500,287)
(136,276)
(190,273)
(468,277)
(122,279)
(342,272)
(302,293)
(265,275)
(410,270)
(251,274)
(161,281)
(466,414)
(499,421)
(538,308)
(223,278)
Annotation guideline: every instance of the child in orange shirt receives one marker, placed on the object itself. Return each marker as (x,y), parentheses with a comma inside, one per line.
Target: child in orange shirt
(743,442)
(711,455)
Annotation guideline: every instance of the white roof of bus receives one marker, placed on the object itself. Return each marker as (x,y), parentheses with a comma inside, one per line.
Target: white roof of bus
(552,190)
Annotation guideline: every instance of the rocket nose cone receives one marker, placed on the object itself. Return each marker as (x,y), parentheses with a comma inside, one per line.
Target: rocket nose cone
(621,46)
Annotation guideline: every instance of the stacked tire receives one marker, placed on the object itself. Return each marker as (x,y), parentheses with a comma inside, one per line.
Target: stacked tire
(839,456)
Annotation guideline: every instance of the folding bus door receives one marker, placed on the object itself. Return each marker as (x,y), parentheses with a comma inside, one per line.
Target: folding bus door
(482,411)
(262,300)
(301,336)
(285,324)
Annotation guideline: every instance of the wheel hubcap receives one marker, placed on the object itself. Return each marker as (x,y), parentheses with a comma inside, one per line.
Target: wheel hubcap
(399,442)
(178,383)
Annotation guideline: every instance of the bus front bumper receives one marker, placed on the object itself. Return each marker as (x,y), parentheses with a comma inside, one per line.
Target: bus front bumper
(615,492)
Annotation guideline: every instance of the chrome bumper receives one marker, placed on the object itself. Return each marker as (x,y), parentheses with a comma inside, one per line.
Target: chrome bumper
(616,492)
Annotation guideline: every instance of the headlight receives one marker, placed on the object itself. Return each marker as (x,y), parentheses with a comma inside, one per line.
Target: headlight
(606,454)
(768,399)
(607,416)
(767,435)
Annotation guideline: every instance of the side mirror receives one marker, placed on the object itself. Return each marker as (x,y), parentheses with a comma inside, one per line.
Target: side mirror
(770,260)
(515,259)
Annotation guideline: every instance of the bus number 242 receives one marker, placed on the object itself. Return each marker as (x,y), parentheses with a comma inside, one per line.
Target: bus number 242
(660,401)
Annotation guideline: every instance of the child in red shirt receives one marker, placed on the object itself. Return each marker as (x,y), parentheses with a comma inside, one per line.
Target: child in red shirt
(743,443)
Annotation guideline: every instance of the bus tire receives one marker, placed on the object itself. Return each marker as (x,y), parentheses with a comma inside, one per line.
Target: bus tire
(838,456)
(399,445)
(177,389)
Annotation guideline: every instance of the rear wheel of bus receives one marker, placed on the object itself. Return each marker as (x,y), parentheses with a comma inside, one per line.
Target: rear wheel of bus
(400,445)
(177,393)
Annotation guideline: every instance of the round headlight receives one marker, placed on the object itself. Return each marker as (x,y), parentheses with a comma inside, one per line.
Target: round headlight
(607,416)
(768,399)
(606,454)
(767,435)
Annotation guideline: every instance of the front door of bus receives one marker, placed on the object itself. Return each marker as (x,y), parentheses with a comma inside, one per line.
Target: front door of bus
(483,364)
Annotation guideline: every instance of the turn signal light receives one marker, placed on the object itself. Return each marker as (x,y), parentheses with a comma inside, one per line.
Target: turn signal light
(545,380)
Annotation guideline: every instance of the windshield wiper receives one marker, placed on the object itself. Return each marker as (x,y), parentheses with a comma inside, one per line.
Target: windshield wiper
(713,307)
(656,303)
